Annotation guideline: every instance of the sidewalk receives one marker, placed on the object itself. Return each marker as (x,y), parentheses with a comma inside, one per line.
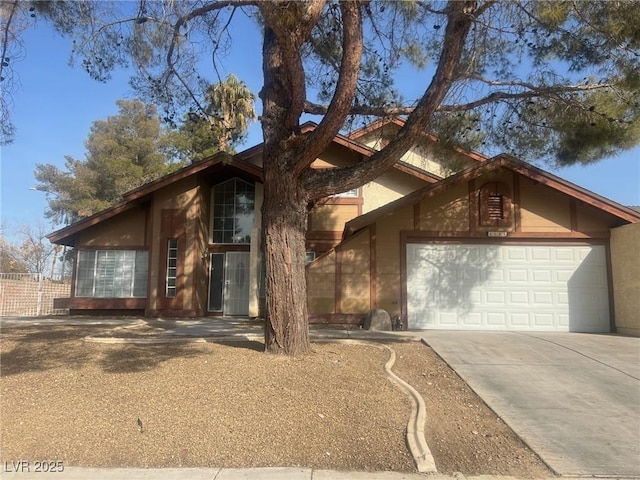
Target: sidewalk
(75,473)
(275,473)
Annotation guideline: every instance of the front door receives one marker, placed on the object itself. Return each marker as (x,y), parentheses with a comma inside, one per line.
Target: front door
(229,283)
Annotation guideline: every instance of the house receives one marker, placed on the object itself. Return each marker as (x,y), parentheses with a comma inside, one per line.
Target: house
(445,239)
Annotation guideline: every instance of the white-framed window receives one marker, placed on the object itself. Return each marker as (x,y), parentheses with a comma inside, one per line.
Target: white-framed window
(112,273)
(172,268)
(233,211)
(348,194)
(309,257)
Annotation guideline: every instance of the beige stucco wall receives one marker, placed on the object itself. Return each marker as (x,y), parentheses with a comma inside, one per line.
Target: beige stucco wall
(543,209)
(388,284)
(355,284)
(321,284)
(590,220)
(388,187)
(124,230)
(625,272)
(447,212)
(423,155)
(332,217)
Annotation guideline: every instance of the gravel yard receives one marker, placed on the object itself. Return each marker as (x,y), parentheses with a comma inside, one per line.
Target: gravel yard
(214,405)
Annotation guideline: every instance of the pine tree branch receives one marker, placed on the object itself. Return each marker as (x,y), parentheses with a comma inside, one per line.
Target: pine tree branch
(338,109)
(318,109)
(326,182)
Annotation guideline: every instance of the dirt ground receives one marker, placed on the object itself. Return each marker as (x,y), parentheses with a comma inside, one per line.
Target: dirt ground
(214,405)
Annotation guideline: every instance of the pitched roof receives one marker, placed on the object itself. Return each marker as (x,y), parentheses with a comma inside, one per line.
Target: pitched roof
(397,123)
(499,161)
(138,195)
(242,161)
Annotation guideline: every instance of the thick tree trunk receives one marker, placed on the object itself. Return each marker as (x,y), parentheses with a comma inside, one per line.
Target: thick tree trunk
(284,219)
(284,211)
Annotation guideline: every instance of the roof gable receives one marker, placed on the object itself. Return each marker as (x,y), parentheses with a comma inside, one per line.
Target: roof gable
(500,161)
(139,195)
(387,127)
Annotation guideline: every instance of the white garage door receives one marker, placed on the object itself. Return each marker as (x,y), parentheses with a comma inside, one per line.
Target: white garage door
(494,287)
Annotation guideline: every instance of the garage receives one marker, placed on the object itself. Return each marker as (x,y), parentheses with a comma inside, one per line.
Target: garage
(507,287)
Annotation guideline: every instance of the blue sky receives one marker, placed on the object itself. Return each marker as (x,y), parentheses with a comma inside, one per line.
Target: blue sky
(55,106)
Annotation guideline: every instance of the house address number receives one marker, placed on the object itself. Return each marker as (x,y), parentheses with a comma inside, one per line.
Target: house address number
(496,234)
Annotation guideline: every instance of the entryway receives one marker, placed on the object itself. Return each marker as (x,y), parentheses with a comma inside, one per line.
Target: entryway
(229,283)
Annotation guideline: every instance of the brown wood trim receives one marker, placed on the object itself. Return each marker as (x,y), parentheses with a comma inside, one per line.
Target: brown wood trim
(94,303)
(92,248)
(172,226)
(516,235)
(375,125)
(147,223)
(403,278)
(221,159)
(339,318)
(74,271)
(473,205)
(407,236)
(338,282)
(197,260)
(575,191)
(596,235)
(416,216)
(228,247)
(171,313)
(321,247)
(152,246)
(373,271)
(342,200)
(417,172)
(573,214)
(612,310)
(324,235)
(517,197)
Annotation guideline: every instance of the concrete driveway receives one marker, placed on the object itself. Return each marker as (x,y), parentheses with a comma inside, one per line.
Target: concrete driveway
(573,398)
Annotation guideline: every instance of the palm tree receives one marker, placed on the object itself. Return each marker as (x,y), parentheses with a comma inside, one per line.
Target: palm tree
(230,110)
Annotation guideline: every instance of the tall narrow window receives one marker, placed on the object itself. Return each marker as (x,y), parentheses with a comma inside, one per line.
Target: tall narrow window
(233,208)
(172,267)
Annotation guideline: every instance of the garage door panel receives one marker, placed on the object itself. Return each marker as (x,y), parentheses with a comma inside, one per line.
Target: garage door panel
(514,254)
(493,287)
(517,276)
(541,276)
(540,255)
(518,298)
(495,297)
(543,320)
(497,319)
(520,320)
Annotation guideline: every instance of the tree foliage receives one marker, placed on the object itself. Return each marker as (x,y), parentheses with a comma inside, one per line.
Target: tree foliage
(555,81)
(31,253)
(132,148)
(123,152)
(228,112)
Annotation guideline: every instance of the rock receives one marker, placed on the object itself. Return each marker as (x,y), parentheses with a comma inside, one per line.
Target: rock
(378,319)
